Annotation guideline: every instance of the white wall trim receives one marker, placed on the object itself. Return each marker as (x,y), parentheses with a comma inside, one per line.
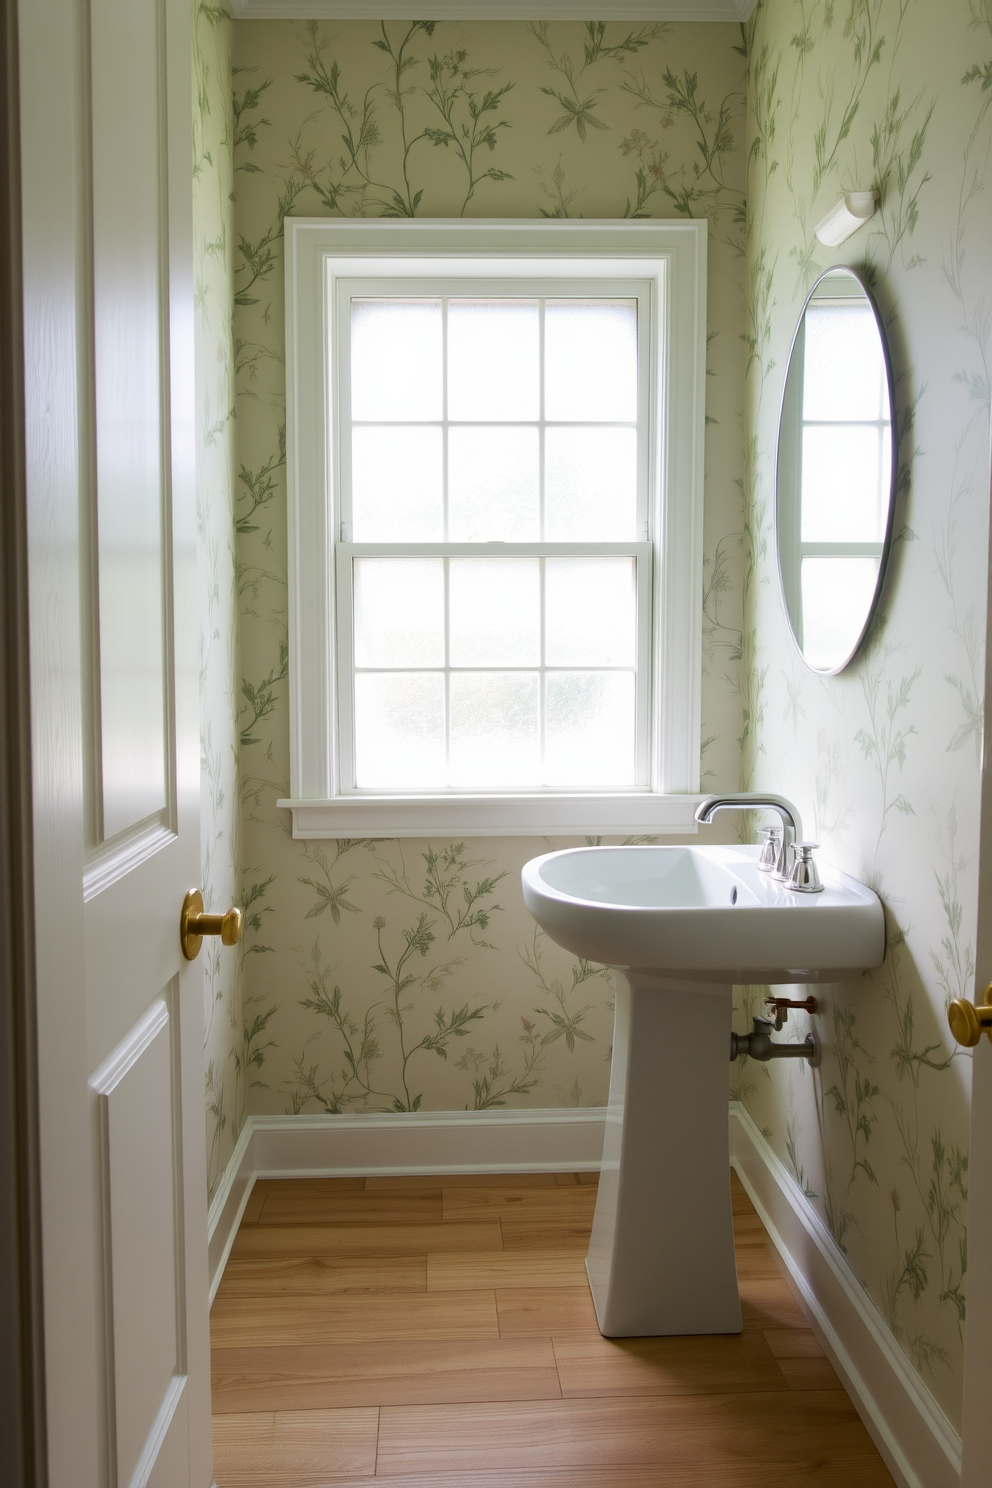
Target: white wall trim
(525,1141)
(228,1205)
(920,1446)
(496,10)
(493,816)
(662,263)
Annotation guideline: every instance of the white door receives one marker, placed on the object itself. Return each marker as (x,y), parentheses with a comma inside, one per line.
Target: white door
(106,182)
(977,1433)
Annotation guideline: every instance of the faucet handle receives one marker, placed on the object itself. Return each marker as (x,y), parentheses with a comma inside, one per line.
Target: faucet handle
(804,877)
(768,857)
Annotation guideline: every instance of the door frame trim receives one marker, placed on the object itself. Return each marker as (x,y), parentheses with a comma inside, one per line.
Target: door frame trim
(22,1375)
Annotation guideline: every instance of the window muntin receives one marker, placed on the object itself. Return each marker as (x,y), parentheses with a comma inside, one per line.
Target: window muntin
(494,602)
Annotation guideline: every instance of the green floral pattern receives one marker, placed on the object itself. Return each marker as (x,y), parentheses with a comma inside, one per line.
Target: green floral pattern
(395,975)
(882,760)
(213,242)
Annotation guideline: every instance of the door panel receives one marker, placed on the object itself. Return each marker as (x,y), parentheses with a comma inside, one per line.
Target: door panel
(142,1174)
(105,127)
(129,206)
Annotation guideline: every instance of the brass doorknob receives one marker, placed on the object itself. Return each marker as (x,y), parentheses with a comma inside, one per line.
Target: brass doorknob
(968,1021)
(194,925)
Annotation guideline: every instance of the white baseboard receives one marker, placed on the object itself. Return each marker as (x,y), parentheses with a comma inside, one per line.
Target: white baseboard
(567,1140)
(228,1205)
(920,1446)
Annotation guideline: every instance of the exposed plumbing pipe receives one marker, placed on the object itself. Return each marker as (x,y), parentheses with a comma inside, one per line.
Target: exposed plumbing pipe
(758,1044)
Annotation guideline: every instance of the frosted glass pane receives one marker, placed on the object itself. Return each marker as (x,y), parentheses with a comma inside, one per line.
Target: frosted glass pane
(590,729)
(590,360)
(493,485)
(843,369)
(495,608)
(590,485)
(399,612)
(495,729)
(399,729)
(396,359)
(493,359)
(397,485)
(845,483)
(837,595)
(590,612)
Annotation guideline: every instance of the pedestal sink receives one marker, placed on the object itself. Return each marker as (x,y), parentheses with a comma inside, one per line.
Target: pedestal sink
(683,925)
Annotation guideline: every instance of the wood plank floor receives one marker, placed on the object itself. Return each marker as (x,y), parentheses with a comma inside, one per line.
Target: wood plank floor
(438,1333)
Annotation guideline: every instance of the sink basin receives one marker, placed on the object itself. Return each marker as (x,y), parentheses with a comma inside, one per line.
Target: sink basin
(703,914)
(682,925)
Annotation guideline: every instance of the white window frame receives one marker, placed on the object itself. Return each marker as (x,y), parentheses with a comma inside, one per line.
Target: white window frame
(671,258)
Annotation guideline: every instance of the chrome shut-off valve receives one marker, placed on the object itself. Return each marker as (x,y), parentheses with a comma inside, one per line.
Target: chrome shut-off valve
(805,876)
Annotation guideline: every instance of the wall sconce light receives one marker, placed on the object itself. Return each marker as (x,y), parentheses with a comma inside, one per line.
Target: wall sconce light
(850,213)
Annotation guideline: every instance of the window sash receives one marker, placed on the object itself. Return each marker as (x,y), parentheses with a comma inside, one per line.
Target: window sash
(446,288)
(642,555)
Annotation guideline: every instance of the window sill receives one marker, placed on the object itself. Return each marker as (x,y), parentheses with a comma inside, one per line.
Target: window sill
(637,813)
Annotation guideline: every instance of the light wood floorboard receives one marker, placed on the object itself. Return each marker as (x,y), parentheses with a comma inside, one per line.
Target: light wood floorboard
(769,1304)
(254,1206)
(805,1470)
(593,1366)
(403,1373)
(439,1333)
(296,1449)
(364,1240)
(549,1205)
(455,1272)
(287,1319)
(529,1234)
(248,1275)
(541,1312)
(462,1180)
(350,1183)
(793,1343)
(348,1207)
(721,1430)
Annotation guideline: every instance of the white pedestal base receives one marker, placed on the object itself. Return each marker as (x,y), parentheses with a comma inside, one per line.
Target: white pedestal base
(661,1257)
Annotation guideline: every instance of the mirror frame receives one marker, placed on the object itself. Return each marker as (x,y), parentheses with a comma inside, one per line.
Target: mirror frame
(893,473)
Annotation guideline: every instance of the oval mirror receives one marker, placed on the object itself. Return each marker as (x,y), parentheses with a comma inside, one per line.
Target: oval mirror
(836,469)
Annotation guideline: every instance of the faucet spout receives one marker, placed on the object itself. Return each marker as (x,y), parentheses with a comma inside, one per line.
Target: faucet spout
(792,829)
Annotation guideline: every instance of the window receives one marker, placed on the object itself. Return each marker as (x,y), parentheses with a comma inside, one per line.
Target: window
(495,478)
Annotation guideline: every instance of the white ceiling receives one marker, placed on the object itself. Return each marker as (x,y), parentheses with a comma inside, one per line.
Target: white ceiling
(496,10)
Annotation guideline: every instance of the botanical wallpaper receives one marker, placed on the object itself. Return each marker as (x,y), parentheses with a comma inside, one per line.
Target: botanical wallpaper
(883,760)
(397,975)
(214,238)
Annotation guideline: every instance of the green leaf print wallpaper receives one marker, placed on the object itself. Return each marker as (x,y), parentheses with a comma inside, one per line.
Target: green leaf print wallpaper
(883,760)
(213,245)
(403,975)
(388,975)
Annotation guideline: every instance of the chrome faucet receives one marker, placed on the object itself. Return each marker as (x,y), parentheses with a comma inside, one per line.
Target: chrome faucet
(759,801)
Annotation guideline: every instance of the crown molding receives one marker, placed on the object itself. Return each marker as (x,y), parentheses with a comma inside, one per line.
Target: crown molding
(493,10)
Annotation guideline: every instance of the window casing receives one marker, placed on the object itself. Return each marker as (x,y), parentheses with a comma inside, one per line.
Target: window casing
(348,561)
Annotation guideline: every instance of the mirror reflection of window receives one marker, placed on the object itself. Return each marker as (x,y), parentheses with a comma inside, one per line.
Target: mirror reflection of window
(835,471)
